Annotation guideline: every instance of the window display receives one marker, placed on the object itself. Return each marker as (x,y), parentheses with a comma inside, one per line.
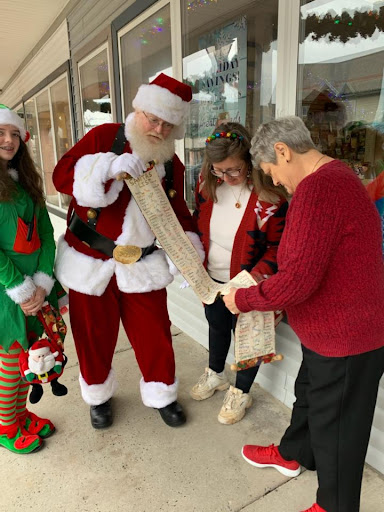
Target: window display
(229,60)
(340,82)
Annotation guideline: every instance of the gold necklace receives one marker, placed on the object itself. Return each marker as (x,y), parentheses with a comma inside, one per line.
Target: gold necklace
(237,203)
(313,169)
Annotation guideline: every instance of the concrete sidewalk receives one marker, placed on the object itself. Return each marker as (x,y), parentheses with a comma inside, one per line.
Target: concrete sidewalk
(142,465)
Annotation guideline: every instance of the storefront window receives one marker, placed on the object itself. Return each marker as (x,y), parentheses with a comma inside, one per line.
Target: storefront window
(145,52)
(95,90)
(62,123)
(20,111)
(340,82)
(48,120)
(47,149)
(229,59)
(31,124)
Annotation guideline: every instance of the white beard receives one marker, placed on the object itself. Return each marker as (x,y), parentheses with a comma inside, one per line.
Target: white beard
(39,367)
(161,152)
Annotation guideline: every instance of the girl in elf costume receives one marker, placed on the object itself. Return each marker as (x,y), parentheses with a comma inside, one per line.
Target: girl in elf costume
(27,252)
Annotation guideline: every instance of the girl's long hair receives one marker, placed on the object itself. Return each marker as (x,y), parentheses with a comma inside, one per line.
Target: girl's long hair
(220,149)
(28,177)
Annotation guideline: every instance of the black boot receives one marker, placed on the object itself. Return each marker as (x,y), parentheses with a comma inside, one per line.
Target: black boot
(36,393)
(173,414)
(57,388)
(101,415)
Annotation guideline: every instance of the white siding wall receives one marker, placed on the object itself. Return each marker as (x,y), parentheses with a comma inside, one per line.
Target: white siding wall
(49,57)
(278,378)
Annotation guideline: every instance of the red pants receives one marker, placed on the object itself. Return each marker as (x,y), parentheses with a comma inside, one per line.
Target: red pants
(95,324)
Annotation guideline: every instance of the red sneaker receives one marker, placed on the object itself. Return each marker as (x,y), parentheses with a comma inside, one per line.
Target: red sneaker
(269,457)
(315,508)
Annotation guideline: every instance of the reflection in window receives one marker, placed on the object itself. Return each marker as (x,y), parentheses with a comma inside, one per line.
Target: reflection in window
(95,91)
(46,142)
(62,123)
(31,124)
(229,59)
(340,83)
(145,52)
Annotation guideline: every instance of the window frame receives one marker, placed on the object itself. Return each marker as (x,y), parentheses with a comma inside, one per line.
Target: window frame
(84,60)
(61,73)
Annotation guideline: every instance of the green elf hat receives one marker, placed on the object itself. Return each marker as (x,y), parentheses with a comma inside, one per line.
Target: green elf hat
(8,116)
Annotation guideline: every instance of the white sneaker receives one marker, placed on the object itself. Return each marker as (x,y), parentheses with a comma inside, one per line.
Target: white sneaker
(207,384)
(234,406)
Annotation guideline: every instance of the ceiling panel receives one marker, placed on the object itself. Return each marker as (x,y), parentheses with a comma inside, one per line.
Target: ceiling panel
(22,25)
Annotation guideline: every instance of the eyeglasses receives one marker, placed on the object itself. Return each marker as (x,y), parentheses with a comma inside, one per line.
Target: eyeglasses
(155,122)
(232,173)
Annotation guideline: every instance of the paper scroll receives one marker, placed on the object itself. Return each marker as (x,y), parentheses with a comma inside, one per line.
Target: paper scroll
(255,333)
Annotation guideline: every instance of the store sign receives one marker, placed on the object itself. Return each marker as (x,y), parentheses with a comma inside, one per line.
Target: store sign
(218,75)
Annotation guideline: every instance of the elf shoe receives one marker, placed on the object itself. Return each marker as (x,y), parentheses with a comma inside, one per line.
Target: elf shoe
(14,440)
(33,425)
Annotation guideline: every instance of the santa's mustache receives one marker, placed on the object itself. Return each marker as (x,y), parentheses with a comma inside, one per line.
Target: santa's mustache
(157,135)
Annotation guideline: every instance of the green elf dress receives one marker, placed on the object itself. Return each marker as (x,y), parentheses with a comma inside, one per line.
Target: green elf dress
(27,254)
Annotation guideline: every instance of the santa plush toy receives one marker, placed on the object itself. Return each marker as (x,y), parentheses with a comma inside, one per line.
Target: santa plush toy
(43,362)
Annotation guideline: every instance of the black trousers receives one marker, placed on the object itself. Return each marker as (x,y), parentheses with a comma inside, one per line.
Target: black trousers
(331,423)
(221,324)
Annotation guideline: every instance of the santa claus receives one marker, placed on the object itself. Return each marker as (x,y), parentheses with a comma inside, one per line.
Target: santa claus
(103,215)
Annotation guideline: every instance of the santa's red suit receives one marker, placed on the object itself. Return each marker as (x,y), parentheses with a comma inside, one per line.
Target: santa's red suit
(104,291)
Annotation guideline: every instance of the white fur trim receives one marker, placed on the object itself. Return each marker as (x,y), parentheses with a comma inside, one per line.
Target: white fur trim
(135,229)
(80,272)
(158,394)
(160,102)
(96,394)
(91,174)
(150,273)
(171,266)
(8,116)
(23,291)
(196,242)
(13,174)
(44,281)
(91,276)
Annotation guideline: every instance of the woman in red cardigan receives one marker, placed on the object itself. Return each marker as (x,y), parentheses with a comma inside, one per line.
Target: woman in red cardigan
(240,217)
(331,284)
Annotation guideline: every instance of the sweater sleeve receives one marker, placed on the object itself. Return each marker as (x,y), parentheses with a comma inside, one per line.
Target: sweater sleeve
(93,150)
(311,233)
(18,287)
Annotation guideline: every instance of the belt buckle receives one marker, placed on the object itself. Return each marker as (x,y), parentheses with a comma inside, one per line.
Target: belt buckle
(127,254)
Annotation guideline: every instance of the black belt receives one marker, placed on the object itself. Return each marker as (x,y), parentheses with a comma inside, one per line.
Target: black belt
(96,240)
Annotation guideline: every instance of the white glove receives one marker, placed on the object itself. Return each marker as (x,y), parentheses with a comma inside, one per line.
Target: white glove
(173,270)
(184,284)
(127,163)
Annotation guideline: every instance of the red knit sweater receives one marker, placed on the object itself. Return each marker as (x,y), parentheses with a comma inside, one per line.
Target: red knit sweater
(331,272)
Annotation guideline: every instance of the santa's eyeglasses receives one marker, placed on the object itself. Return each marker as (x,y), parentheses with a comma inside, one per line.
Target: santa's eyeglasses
(155,122)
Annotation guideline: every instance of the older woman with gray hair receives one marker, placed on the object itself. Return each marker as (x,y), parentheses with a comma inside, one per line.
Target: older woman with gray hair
(330,281)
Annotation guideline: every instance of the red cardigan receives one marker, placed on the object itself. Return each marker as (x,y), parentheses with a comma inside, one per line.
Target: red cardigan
(331,273)
(257,238)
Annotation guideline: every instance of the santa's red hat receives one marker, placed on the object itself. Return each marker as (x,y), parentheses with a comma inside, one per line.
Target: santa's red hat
(166,98)
(40,348)
(8,116)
